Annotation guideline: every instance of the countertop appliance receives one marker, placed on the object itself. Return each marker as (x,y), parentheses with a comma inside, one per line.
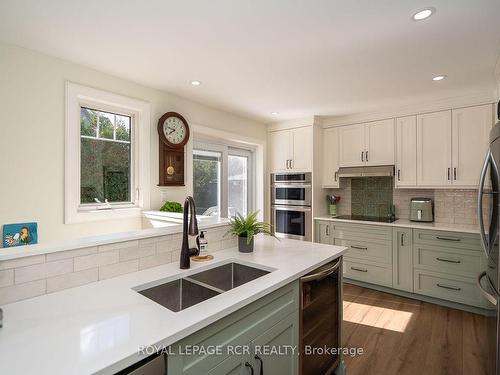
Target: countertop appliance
(422,209)
(291,215)
(488,280)
(321,318)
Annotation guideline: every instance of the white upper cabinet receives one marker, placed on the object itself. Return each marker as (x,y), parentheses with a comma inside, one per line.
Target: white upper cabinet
(470,135)
(406,151)
(331,157)
(291,149)
(352,145)
(279,150)
(367,144)
(302,148)
(379,142)
(434,149)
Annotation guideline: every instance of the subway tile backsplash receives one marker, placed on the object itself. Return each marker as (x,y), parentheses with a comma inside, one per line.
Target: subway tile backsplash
(454,206)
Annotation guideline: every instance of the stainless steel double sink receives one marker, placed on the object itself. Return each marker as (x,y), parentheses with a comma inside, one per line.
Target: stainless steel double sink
(181,293)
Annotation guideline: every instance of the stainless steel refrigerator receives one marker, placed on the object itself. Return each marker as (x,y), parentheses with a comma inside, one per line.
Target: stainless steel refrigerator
(488,217)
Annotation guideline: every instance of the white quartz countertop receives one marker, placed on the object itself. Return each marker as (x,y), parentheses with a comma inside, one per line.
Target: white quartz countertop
(98,327)
(402,223)
(7,253)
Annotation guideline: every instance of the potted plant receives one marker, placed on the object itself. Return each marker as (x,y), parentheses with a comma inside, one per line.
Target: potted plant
(245,228)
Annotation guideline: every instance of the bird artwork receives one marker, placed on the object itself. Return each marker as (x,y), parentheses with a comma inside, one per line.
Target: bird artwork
(20,234)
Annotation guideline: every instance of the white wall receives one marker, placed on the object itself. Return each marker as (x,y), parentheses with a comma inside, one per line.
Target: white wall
(32,98)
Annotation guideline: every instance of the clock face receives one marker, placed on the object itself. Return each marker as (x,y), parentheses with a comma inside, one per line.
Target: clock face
(174,130)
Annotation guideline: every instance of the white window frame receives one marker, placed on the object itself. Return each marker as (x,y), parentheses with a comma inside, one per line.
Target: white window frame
(230,149)
(78,96)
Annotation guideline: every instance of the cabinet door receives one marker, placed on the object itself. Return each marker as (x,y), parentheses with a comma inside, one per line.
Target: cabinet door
(279,150)
(283,336)
(233,365)
(402,258)
(406,151)
(352,145)
(434,149)
(331,158)
(324,232)
(379,139)
(302,148)
(470,133)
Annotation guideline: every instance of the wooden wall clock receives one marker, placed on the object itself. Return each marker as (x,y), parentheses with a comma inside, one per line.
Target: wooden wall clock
(173,131)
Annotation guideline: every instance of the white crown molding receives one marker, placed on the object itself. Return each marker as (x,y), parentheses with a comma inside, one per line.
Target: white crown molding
(290,124)
(486,96)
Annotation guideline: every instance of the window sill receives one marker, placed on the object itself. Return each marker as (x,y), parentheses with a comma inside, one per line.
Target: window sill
(85,216)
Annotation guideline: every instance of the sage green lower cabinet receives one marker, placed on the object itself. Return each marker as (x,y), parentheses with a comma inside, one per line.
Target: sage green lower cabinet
(271,320)
(402,259)
(324,232)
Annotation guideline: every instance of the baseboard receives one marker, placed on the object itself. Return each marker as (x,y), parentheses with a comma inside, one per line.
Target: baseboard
(419,297)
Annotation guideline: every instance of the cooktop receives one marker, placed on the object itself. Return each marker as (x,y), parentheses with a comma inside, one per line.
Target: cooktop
(367,218)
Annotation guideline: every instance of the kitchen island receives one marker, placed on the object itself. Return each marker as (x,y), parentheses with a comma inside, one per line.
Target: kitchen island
(100,327)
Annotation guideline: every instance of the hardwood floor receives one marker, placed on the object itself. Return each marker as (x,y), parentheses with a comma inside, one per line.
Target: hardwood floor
(402,336)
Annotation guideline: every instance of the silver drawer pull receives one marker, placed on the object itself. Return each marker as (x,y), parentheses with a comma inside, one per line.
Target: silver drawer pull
(359,247)
(448,287)
(359,269)
(448,239)
(448,260)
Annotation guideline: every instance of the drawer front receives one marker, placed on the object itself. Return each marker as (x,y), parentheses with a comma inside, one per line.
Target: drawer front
(369,251)
(446,260)
(447,239)
(370,273)
(362,232)
(453,288)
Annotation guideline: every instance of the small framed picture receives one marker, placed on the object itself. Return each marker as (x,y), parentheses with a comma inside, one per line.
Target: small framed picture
(20,234)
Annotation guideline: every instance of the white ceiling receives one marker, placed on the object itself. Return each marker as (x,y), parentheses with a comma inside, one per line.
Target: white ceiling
(297,57)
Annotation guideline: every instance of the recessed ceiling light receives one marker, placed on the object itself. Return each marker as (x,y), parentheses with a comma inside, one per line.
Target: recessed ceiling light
(438,78)
(274,113)
(423,14)
(195,83)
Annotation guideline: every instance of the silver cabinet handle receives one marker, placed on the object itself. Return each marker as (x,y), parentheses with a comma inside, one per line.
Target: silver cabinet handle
(359,269)
(327,230)
(402,239)
(399,174)
(366,155)
(336,175)
(448,260)
(448,174)
(448,239)
(358,247)
(455,174)
(362,156)
(291,163)
(448,287)
(261,364)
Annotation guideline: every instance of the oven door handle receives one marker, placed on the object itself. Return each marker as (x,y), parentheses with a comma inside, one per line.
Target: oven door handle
(292,208)
(291,186)
(321,274)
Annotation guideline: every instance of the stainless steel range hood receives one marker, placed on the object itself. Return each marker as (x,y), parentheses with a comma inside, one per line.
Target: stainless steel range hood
(375,171)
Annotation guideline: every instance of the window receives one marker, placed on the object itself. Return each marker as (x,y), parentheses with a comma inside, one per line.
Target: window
(222,180)
(107,155)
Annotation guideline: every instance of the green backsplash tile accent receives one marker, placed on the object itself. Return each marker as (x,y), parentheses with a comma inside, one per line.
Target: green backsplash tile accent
(371,196)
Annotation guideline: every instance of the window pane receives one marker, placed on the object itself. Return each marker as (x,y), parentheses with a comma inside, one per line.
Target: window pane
(207,182)
(105,164)
(106,125)
(122,128)
(88,122)
(237,185)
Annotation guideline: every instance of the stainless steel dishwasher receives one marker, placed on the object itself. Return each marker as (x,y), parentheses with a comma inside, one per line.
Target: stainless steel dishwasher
(321,319)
